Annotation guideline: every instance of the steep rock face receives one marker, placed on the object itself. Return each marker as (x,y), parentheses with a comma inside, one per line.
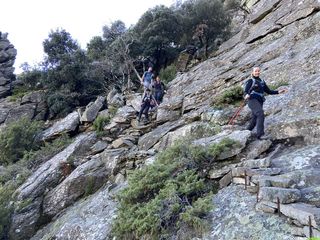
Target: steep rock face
(282,37)
(7,56)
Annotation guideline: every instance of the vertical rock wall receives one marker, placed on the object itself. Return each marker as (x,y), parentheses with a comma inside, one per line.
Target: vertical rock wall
(7,56)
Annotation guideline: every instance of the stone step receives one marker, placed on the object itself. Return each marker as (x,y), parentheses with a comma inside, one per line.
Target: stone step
(298,212)
(256,163)
(285,195)
(273,181)
(241,171)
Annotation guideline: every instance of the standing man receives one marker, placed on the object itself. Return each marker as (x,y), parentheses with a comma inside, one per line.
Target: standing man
(147,79)
(254,93)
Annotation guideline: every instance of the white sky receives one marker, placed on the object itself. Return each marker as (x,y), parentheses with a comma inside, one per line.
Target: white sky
(28,22)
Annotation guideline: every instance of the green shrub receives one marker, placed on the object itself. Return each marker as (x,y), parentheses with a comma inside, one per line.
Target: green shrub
(169,73)
(169,194)
(17,138)
(18,93)
(99,123)
(6,192)
(231,96)
(278,84)
(60,104)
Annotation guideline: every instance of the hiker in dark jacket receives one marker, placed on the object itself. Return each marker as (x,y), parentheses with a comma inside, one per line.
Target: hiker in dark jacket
(254,93)
(159,89)
(148,101)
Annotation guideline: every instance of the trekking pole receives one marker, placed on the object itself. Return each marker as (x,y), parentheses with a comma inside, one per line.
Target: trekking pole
(235,115)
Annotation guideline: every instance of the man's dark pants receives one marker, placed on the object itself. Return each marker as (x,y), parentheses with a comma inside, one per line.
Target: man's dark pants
(144,109)
(257,118)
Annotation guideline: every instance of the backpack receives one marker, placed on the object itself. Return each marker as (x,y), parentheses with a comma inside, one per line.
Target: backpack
(148,77)
(244,86)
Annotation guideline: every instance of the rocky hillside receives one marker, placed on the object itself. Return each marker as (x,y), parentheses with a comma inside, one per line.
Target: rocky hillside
(268,189)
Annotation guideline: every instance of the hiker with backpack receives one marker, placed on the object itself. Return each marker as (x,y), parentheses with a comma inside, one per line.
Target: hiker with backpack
(147,79)
(159,89)
(254,90)
(148,101)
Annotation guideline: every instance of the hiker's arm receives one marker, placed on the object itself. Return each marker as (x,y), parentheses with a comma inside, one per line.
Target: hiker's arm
(142,79)
(269,91)
(247,89)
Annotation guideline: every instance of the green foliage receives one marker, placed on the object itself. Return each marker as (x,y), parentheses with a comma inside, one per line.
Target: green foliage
(159,31)
(112,110)
(6,191)
(66,75)
(96,48)
(100,122)
(18,93)
(58,45)
(278,84)
(17,138)
(230,96)
(60,104)
(31,77)
(169,73)
(195,13)
(169,194)
(89,188)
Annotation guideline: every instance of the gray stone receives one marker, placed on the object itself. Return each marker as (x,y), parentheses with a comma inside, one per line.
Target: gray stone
(241,137)
(311,195)
(148,140)
(301,212)
(92,110)
(285,195)
(234,217)
(85,179)
(98,147)
(226,180)
(256,148)
(256,163)
(89,218)
(24,111)
(65,125)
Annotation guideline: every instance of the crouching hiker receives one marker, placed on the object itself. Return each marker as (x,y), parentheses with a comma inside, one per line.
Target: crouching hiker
(254,92)
(147,101)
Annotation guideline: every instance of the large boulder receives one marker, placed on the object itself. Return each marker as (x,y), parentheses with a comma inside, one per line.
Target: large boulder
(25,221)
(92,110)
(65,125)
(85,179)
(89,218)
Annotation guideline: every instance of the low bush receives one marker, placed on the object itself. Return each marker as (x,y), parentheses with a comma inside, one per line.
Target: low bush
(17,138)
(231,96)
(278,84)
(168,74)
(100,122)
(170,194)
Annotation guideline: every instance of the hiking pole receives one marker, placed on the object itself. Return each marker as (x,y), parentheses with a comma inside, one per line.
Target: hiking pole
(235,115)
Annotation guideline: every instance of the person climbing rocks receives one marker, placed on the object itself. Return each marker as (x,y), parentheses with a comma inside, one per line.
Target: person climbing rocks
(146,79)
(254,90)
(159,89)
(148,101)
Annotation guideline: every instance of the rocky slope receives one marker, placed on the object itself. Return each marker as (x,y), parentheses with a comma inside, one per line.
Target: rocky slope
(272,189)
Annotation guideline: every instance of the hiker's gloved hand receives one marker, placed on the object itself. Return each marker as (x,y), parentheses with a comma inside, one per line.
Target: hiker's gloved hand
(283,91)
(246,97)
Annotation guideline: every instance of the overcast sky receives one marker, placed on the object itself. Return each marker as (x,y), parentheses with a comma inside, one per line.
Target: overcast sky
(28,22)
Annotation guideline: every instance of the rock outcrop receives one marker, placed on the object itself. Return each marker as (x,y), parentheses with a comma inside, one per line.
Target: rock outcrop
(7,56)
